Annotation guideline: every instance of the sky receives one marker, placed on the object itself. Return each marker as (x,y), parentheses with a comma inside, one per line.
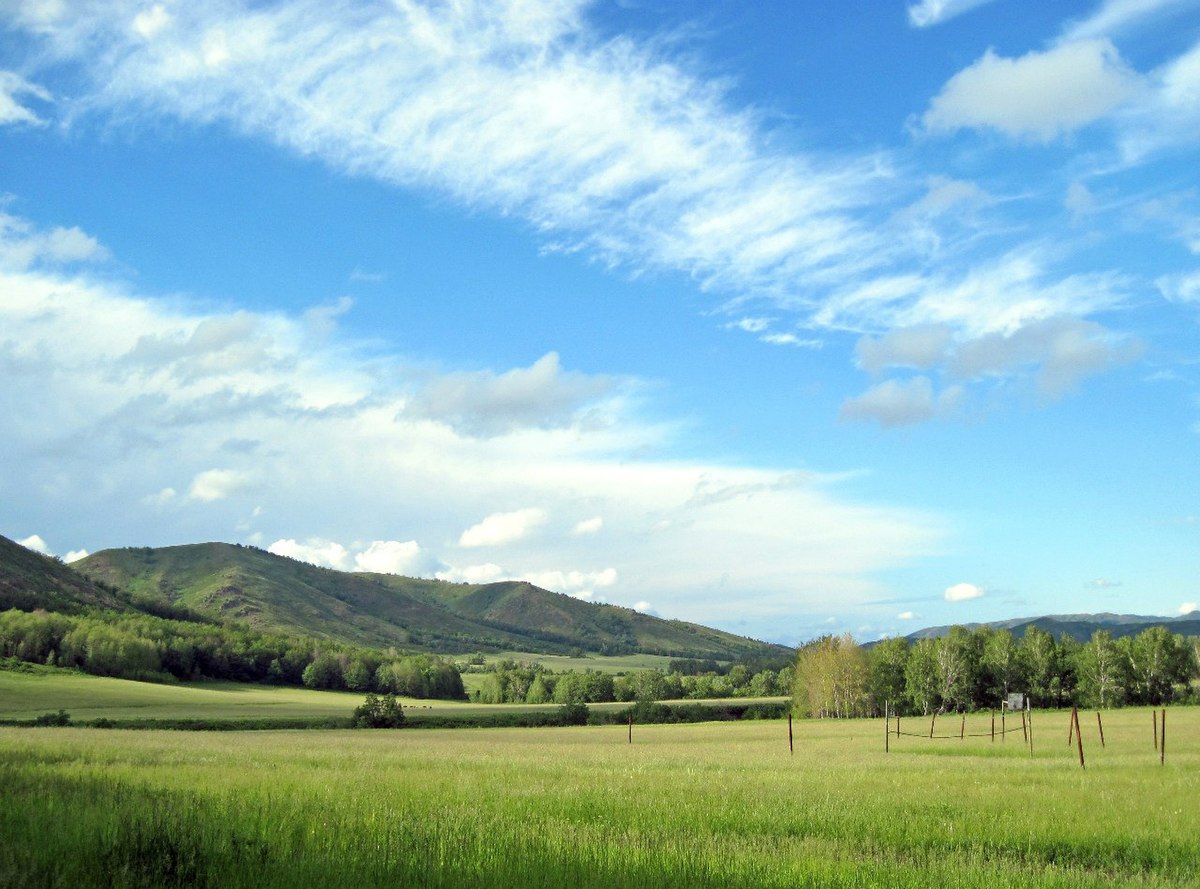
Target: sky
(788,318)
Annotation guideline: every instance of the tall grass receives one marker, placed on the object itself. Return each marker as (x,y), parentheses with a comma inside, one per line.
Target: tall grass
(699,805)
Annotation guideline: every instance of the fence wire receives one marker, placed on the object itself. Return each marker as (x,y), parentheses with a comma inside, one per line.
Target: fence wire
(998,733)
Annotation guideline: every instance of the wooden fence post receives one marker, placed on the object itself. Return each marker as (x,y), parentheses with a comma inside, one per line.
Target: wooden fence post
(1078,734)
(887,729)
(931,722)
(1154,716)
(1162,747)
(1024,728)
(1100,723)
(1029,709)
(993,725)
(1071,728)
(791,745)
(630,728)
(962,729)
(1004,722)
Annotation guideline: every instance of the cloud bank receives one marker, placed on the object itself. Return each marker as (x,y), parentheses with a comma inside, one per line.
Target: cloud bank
(120,401)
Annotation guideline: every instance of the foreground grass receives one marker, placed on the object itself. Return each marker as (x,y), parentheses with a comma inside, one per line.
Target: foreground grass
(689,806)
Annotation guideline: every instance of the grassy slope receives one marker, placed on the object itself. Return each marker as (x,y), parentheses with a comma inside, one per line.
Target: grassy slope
(25,695)
(523,607)
(274,593)
(714,805)
(30,580)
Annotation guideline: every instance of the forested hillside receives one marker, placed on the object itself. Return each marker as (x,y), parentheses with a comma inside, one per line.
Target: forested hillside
(278,594)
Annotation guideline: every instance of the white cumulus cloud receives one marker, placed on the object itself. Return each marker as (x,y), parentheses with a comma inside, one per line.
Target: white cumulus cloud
(961,592)
(390,557)
(216,484)
(36,543)
(315,551)
(588,526)
(1037,96)
(488,572)
(502,528)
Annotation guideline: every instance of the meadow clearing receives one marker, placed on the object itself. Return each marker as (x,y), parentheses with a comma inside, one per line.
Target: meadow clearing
(713,804)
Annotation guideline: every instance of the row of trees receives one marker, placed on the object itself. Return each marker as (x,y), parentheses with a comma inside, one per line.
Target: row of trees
(977,669)
(508,682)
(151,648)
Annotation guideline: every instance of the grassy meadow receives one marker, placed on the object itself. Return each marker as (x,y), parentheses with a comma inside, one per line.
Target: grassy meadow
(714,804)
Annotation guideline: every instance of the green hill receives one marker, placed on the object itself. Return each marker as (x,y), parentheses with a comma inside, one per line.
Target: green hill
(279,594)
(29,580)
(554,619)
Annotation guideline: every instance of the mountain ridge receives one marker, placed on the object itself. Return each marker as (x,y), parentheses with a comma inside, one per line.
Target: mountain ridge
(1079,627)
(273,592)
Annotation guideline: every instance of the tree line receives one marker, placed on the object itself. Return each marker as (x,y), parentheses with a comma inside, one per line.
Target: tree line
(510,682)
(977,669)
(157,649)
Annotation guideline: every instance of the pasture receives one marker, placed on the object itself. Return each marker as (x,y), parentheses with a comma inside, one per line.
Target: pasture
(714,804)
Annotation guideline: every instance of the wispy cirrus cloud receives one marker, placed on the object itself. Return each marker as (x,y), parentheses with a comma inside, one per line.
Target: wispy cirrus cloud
(611,148)
(14,89)
(514,106)
(928,13)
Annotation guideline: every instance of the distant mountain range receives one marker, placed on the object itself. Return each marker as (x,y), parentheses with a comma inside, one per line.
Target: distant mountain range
(1081,626)
(277,594)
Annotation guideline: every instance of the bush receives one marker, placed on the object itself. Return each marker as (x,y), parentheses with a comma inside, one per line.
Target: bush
(62,717)
(379,712)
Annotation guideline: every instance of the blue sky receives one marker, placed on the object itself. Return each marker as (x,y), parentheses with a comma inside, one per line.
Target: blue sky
(787,318)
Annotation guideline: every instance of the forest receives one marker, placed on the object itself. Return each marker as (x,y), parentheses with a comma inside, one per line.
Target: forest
(156,649)
(976,669)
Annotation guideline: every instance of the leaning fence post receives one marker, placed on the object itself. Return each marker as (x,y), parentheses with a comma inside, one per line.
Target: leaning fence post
(1078,735)
(962,729)
(1100,723)
(791,746)
(1071,728)
(931,722)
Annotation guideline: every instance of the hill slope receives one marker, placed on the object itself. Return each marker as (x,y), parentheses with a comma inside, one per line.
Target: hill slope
(276,593)
(29,580)
(523,608)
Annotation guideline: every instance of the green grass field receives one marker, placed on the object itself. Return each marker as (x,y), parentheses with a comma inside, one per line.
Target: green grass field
(557,663)
(87,698)
(715,804)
